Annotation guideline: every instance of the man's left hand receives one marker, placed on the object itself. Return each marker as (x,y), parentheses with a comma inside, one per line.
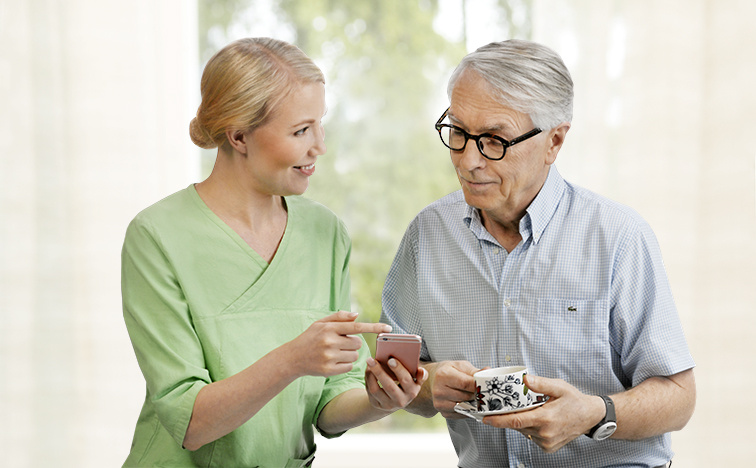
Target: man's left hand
(566,416)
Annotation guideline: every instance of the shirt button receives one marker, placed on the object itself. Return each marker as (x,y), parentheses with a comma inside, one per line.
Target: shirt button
(497,251)
(507,358)
(507,302)
(521,465)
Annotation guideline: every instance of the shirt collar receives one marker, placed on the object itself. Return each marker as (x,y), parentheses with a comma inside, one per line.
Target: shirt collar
(537,215)
(543,206)
(475,224)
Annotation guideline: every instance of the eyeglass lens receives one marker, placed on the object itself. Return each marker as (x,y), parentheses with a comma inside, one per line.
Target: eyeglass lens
(456,139)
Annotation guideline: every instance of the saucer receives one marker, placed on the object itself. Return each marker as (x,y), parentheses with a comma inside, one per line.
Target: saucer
(469,409)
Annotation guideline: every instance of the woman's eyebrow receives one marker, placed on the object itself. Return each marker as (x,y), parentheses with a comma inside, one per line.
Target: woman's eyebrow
(303,122)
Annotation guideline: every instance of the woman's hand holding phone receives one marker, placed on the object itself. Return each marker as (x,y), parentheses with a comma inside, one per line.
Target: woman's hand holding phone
(394,378)
(392,392)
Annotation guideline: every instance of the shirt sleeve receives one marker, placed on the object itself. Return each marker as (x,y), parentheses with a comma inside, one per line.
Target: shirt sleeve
(157,317)
(400,298)
(646,332)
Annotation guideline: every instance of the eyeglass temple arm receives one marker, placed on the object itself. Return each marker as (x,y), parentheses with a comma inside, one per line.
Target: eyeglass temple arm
(443,116)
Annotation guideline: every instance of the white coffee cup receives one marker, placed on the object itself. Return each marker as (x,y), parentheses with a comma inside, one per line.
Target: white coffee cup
(503,389)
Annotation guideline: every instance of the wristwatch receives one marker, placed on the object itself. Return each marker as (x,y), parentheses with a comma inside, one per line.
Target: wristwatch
(606,427)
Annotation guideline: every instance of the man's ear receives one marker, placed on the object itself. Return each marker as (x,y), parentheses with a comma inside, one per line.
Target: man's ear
(557,136)
(238,140)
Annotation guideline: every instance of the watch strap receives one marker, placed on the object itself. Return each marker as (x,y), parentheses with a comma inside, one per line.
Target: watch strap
(610,416)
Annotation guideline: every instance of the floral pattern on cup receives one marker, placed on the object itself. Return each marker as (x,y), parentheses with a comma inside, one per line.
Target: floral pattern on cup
(505,392)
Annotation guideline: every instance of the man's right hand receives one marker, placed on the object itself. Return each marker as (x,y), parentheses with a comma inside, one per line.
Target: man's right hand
(450,382)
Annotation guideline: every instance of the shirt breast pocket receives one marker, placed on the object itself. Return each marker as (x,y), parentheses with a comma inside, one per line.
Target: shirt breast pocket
(568,339)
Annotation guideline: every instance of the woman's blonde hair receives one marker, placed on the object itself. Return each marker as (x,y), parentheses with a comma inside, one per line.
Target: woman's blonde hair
(242,84)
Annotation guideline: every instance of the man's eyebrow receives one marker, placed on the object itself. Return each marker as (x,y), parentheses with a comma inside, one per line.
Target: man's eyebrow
(490,129)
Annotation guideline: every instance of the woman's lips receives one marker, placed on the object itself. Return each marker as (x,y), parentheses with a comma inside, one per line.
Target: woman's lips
(306,170)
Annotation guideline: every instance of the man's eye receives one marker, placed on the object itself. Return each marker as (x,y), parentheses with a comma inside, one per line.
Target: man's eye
(492,142)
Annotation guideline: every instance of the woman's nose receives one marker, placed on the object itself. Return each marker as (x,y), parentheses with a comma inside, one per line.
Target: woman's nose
(320,146)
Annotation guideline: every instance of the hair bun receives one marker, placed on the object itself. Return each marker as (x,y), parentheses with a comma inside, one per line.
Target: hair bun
(200,136)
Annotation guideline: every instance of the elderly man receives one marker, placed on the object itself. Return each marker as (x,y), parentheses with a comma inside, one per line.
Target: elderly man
(520,267)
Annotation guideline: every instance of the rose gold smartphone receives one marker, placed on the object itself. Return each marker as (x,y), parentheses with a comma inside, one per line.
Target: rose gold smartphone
(405,348)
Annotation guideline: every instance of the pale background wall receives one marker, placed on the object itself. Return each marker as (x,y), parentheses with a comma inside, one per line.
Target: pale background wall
(95,99)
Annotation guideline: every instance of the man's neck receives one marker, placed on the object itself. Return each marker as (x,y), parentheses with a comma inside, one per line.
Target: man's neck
(506,232)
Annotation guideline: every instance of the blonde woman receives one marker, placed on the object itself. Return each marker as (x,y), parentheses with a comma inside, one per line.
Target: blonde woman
(236,290)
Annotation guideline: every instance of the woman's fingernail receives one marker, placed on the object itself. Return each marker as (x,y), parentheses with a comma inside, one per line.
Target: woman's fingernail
(392,362)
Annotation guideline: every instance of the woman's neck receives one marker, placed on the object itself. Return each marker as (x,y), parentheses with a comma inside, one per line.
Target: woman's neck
(259,219)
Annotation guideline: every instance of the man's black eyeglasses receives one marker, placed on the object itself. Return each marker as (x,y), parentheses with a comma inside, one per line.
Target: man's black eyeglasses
(491,146)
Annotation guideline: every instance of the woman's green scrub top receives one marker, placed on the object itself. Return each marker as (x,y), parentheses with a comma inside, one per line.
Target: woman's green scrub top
(200,305)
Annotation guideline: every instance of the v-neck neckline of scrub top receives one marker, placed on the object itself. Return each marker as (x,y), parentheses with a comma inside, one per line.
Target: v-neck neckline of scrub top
(252,253)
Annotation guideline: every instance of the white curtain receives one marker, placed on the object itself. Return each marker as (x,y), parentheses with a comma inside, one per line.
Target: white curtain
(95,103)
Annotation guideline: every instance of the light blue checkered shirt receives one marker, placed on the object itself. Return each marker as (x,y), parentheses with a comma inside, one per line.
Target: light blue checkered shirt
(584,297)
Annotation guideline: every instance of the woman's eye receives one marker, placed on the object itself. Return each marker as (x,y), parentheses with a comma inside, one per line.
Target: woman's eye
(301,132)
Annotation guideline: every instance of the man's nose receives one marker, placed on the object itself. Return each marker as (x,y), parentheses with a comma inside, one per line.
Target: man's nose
(470,156)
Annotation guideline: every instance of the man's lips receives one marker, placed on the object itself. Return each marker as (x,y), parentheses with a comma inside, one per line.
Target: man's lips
(476,182)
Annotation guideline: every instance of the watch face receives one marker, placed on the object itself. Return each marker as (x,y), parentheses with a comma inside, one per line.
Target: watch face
(605,431)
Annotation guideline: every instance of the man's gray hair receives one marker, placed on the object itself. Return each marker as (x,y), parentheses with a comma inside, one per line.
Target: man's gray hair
(528,77)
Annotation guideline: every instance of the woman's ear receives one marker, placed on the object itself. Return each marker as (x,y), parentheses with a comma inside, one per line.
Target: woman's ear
(238,140)
(556,141)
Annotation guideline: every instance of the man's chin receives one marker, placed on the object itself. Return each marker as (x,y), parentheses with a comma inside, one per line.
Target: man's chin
(475,200)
